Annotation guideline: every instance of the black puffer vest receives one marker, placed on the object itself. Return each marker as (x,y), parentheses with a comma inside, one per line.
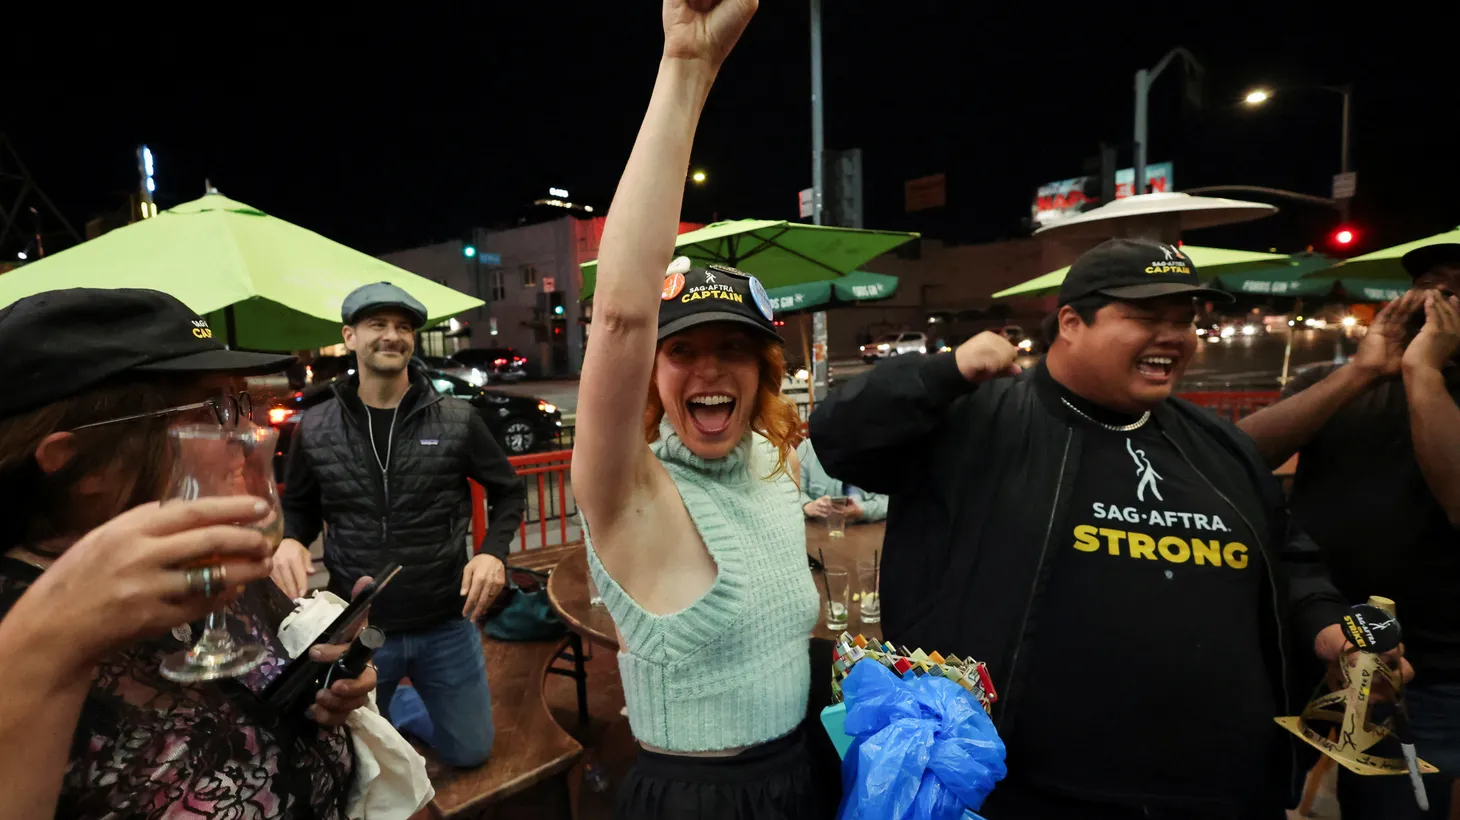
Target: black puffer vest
(416,514)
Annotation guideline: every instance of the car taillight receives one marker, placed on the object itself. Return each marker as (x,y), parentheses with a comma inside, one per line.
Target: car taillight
(519,360)
(500,362)
(279,415)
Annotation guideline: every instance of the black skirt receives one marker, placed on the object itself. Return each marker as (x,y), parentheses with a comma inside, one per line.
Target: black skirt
(771,781)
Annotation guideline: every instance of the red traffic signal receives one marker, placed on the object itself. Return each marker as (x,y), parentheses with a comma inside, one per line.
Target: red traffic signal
(1343,237)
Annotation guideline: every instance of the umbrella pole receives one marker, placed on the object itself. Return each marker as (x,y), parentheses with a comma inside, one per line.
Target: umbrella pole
(806,354)
(1288,350)
(232,330)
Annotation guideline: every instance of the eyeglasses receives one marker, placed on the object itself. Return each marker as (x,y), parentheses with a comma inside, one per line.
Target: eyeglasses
(229,410)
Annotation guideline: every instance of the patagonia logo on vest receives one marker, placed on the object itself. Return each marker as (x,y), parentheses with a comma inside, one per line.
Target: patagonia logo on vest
(430,442)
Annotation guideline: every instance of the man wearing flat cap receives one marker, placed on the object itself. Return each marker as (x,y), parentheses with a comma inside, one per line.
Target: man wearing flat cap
(385,464)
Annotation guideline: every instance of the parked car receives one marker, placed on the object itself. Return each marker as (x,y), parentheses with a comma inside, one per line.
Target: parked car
(500,364)
(521,424)
(894,344)
(451,367)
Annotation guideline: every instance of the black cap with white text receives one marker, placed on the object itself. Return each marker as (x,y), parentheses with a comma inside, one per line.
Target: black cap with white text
(1133,269)
(61,343)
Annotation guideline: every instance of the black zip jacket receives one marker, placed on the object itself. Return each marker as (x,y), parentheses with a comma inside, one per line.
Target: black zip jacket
(418,513)
(981,475)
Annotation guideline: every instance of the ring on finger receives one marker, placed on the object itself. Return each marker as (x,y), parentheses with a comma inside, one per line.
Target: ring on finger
(197,580)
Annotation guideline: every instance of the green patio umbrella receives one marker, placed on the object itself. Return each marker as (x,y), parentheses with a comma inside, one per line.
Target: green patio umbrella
(282,284)
(1209,262)
(778,252)
(857,286)
(1283,277)
(1373,290)
(1384,264)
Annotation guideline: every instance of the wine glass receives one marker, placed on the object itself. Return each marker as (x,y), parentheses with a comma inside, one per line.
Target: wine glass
(208,460)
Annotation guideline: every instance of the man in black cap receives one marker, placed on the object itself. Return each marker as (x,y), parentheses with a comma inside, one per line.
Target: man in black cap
(1378,488)
(385,463)
(1118,556)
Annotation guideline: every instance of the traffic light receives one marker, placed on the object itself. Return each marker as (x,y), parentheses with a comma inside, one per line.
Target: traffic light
(1343,238)
(557,311)
(469,251)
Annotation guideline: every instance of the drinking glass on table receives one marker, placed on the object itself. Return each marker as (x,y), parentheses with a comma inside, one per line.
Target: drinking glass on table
(870,596)
(209,460)
(839,591)
(836,519)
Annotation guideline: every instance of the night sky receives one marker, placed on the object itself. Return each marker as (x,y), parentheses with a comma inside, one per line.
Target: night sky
(385,131)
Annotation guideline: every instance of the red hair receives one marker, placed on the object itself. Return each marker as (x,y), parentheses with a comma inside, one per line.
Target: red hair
(775,417)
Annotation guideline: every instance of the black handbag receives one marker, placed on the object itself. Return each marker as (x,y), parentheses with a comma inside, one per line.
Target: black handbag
(527,615)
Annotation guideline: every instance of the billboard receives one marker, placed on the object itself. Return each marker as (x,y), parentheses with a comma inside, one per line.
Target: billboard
(1056,201)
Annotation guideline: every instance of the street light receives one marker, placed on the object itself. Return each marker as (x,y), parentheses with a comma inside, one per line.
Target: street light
(699,177)
(1258,96)
(1144,79)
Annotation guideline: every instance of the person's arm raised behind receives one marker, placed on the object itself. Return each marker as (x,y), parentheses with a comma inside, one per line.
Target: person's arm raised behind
(610,460)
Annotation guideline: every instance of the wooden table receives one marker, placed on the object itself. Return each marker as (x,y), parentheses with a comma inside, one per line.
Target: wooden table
(567,591)
(568,585)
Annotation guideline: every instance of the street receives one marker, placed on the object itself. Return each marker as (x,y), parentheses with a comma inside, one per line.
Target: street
(1237,363)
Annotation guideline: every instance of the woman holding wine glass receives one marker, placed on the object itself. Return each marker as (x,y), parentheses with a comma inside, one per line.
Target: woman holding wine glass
(117,704)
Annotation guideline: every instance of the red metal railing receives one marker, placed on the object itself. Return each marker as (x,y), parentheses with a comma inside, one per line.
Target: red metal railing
(546,475)
(1234,404)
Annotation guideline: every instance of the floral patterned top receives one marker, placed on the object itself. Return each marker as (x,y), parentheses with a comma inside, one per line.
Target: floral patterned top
(146,747)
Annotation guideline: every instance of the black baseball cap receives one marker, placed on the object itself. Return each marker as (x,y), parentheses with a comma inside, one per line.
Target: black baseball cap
(379,296)
(715,293)
(1134,269)
(61,343)
(1425,258)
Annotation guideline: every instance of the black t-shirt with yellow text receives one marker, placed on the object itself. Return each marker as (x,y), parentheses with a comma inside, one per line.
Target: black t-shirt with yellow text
(1146,678)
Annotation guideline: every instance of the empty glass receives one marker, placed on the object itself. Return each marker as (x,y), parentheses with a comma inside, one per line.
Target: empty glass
(869,596)
(836,519)
(839,590)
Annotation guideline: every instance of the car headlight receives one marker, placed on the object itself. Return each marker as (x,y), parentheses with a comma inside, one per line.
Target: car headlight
(477,377)
(923,349)
(884,347)
(544,407)
(1249,330)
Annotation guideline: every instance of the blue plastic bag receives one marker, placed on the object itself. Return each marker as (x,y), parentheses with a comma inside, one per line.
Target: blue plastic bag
(923,748)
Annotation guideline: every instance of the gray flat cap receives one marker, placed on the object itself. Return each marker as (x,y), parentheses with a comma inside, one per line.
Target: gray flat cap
(380,295)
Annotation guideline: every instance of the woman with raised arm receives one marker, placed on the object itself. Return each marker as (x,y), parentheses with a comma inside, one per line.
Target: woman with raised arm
(696,540)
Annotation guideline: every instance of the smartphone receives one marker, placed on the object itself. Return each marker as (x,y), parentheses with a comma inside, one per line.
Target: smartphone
(293,690)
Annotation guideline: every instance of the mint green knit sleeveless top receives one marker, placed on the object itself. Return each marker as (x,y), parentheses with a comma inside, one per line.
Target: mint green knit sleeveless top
(732,669)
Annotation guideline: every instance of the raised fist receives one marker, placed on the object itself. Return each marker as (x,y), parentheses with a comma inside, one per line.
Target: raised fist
(704,29)
(986,356)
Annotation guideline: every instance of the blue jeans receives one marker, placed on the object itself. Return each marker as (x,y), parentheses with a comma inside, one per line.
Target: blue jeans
(1434,716)
(449,674)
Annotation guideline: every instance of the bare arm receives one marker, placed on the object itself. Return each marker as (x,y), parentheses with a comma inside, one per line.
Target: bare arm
(1283,429)
(610,460)
(1434,419)
(37,715)
(1286,427)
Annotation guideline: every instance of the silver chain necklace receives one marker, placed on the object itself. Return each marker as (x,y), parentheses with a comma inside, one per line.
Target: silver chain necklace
(389,437)
(1114,428)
